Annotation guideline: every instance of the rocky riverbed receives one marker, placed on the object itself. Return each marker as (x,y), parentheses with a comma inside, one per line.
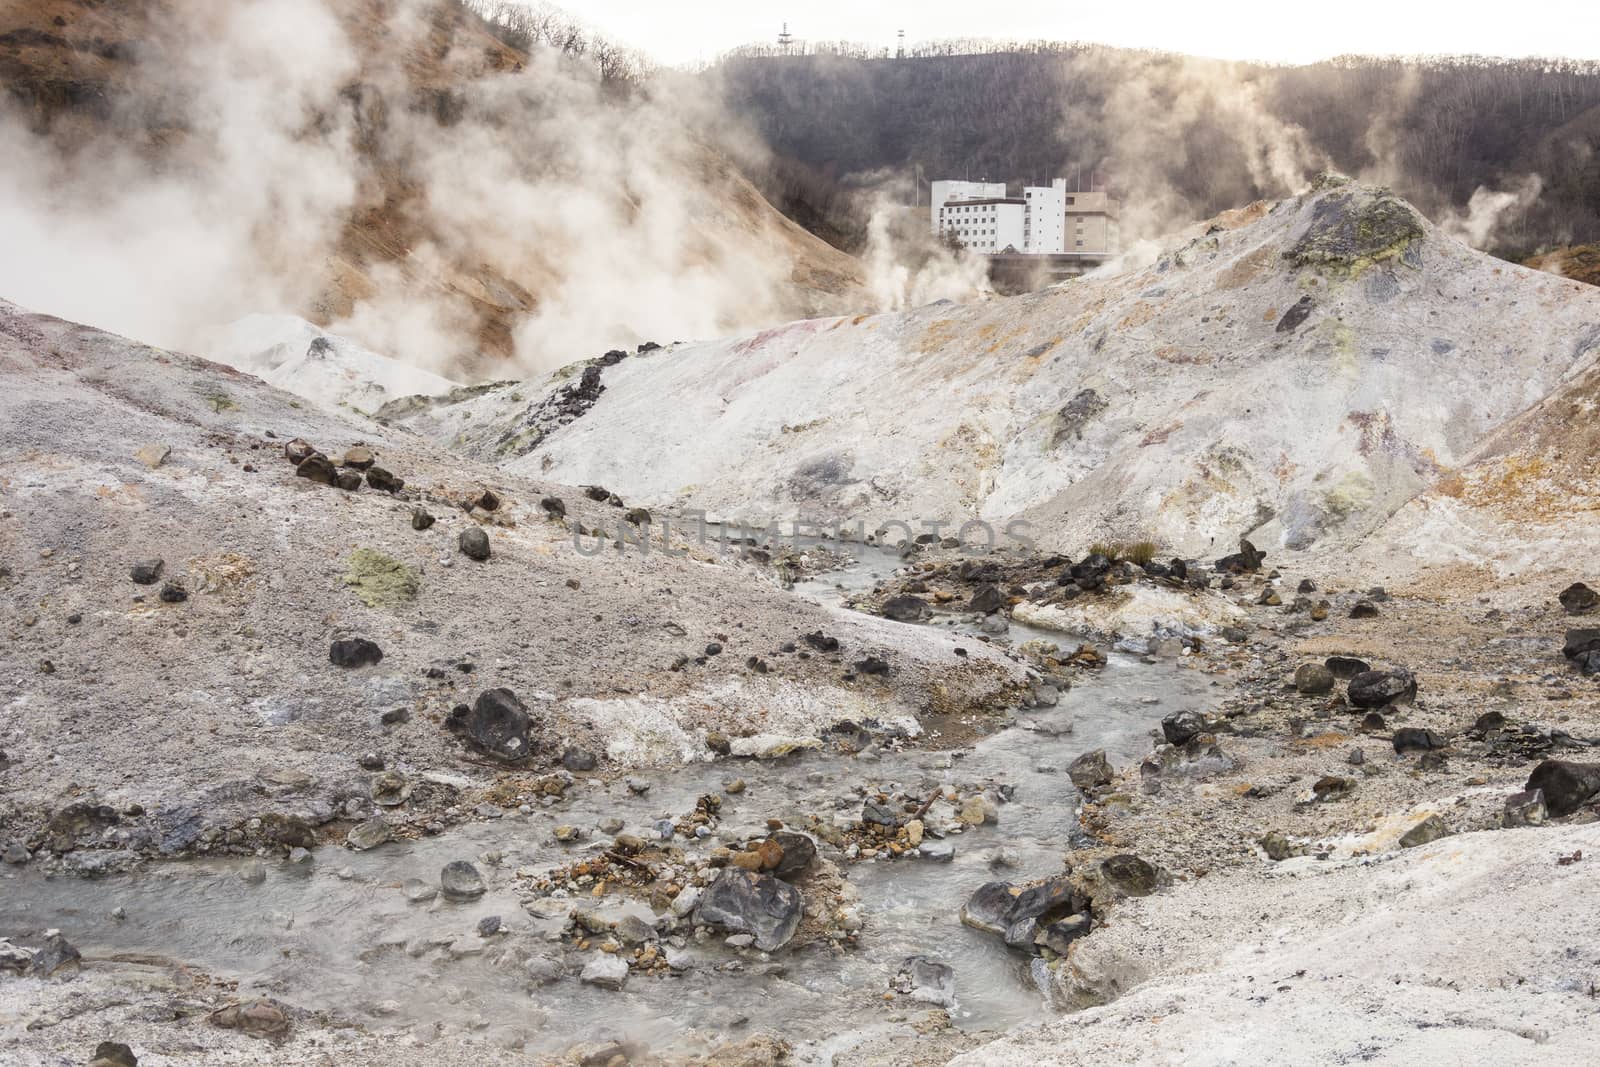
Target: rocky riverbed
(326,744)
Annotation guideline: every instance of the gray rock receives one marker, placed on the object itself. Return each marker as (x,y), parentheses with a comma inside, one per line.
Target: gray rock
(1346,667)
(542,969)
(370,834)
(926,980)
(605,971)
(1524,809)
(56,958)
(685,902)
(1428,830)
(905,609)
(1279,847)
(1566,786)
(113,1054)
(474,544)
(1090,770)
(417,891)
(460,880)
(1313,678)
(1413,738)
(878,813)
(744,902)
(147,571)
(1376,689)
(579,759)
(1181,727)
(1018,913)
(1059,935)
(1579,599)
(798,852)
(497,724)
(390,789)
(634,930)
(942,851)
(1130,874)
(1581,641)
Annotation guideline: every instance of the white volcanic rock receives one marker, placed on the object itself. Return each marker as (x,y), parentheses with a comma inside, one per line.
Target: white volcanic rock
(331,371)
(1164,403)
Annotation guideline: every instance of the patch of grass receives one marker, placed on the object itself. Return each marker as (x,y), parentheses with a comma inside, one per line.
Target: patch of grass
(220,402)
(1100,548)
(1140,552)
(1136,552)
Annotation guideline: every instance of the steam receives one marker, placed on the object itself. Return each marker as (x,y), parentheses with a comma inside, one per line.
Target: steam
(1180,130)
(102,236)
(542,197)
(1490,211)
(907,266)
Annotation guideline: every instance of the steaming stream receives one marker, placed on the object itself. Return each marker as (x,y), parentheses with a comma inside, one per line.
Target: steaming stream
(344,939)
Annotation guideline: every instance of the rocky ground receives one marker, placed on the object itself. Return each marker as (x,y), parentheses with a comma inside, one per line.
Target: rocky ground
(251,641)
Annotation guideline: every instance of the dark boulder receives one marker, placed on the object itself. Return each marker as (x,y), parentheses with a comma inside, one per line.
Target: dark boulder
(1581,641)
(474,543)
(1313,678)
(1090,770)
(420,519)
(113,1054)
(1364,609)
(744,902)
(988,599)
(354,652)
(1247,559)
(349,480)
(1130,874)
(497,724)
(1416,739)
(554,507)
(579,759)
(872,665)
(383,481)
(298,451)
(1376,689)
(147,571)
(1021,914)
(821,641)
(799,850)
(905,609)
(1181,727)
(1346,667)
(317,468)
(1295,316)
(1579,599)
(1566,786)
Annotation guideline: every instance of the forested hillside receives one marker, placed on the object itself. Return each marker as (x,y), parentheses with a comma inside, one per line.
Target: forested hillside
(1182,138)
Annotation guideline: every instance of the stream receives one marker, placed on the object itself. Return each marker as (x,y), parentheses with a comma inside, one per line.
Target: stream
(342,935)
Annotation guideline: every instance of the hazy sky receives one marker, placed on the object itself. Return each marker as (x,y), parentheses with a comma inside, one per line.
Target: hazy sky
(684,31)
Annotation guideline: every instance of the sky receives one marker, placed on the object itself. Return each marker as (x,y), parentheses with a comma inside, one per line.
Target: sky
(680,32)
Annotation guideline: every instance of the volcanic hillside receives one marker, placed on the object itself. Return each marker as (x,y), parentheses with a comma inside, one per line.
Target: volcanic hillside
(1295,379)
(116,454)
(465,159)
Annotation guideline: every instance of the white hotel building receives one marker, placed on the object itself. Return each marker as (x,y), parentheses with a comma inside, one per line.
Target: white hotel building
(1043,220)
